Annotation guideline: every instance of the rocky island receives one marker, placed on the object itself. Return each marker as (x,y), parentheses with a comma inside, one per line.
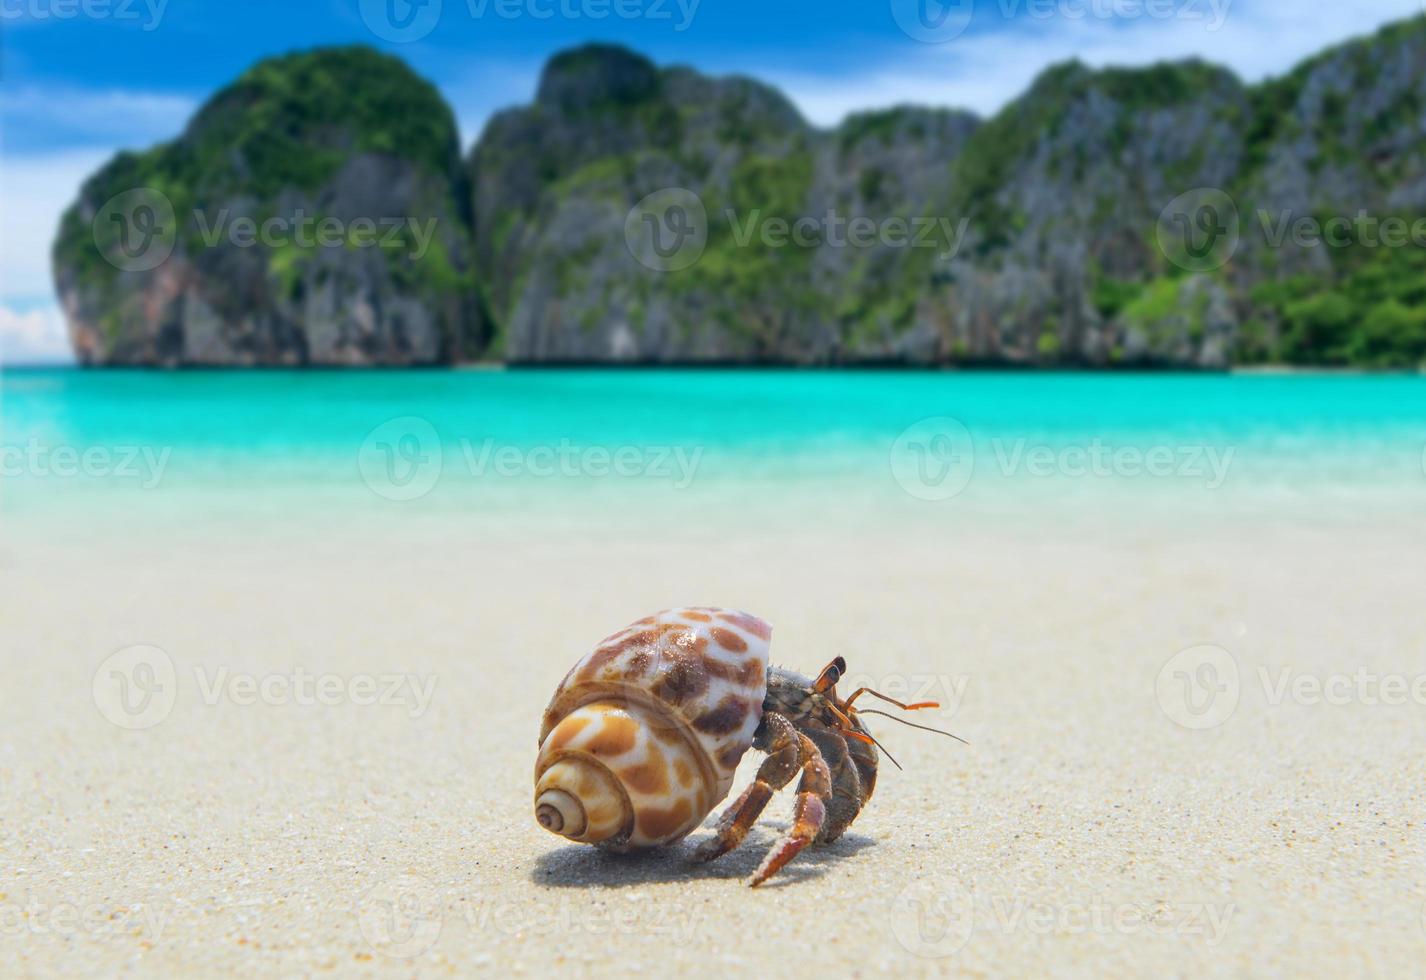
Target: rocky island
(1165,216)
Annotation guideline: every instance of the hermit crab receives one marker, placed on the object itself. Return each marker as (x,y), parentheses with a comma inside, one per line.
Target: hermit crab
(643,735)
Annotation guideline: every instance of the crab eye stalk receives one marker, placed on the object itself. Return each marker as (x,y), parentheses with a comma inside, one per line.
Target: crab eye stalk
(830,675)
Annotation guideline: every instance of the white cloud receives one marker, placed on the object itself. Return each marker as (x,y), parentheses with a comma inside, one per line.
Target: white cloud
(36,187)
(984,69)
(69,115)
(34,191)
(34,337)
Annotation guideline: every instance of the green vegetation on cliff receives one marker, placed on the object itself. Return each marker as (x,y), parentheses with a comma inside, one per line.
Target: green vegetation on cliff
(1064,259)
(293,121)
(290,123)
(321,136)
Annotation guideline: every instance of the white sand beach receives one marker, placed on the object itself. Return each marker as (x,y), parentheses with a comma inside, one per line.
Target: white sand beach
(273,821)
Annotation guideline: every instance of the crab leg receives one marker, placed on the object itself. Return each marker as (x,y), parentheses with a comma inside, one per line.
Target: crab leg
(780,741)
(813,789)
(789,752)
(847,799)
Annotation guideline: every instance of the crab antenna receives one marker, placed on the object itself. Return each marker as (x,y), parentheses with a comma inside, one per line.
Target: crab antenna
(859,736)
(877,694)
(911,724)
(883,749)
(855,729)
(849,727)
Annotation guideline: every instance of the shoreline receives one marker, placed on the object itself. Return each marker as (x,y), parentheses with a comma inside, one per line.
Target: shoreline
(861,367)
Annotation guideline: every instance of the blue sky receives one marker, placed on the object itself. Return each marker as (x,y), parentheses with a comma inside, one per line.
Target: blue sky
(83,78)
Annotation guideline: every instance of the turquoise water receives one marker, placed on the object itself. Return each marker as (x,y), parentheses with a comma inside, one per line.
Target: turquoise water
(511,440)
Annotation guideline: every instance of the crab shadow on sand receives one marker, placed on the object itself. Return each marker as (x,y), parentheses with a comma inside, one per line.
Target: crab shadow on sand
(582,866)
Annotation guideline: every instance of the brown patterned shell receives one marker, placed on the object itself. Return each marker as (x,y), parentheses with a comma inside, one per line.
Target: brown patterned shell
(666,706)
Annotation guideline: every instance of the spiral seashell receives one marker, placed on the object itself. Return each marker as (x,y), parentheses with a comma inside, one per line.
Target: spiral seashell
(642,738)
